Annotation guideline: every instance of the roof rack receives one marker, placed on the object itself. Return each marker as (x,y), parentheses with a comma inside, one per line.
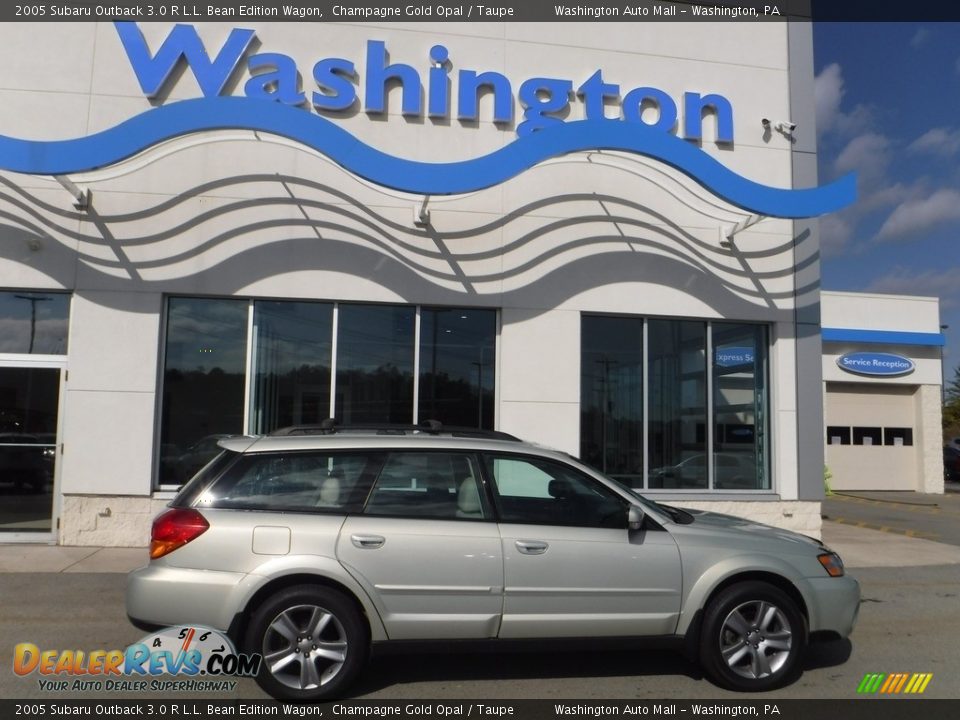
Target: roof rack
(329,426)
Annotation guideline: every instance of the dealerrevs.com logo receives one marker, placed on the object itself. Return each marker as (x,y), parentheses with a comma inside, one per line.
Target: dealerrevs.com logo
(206,657)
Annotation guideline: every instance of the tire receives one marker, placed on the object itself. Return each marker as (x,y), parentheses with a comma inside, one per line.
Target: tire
(318,621)
(753,637)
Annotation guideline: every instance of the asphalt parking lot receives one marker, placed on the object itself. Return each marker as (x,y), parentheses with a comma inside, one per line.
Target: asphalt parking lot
(908,623)
(931,517)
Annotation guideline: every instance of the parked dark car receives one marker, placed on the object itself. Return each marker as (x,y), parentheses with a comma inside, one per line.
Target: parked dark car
(951,463)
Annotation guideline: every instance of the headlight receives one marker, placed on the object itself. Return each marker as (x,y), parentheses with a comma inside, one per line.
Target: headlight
(831,563)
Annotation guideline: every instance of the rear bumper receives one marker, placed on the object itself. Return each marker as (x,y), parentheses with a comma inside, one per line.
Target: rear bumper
(161,596)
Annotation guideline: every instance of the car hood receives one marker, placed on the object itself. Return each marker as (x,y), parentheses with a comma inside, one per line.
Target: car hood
(705,521)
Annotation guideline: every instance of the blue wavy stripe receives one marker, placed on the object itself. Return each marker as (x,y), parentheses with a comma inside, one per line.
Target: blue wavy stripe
(61,157)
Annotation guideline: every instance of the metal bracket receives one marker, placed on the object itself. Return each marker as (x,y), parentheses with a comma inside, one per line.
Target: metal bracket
(81,198)
(421,215)
(726,234)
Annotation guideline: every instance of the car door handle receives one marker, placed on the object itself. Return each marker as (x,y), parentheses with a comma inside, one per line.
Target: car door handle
(531,547)
(368,542)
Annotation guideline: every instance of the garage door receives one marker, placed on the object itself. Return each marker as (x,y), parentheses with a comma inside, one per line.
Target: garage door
(870,436)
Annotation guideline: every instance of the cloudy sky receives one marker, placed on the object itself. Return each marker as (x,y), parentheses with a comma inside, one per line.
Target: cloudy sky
(888,107)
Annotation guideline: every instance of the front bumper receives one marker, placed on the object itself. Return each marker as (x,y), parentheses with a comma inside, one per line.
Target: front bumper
(835,604)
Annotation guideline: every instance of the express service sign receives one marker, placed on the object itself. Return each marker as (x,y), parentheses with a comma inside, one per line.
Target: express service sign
(875,364)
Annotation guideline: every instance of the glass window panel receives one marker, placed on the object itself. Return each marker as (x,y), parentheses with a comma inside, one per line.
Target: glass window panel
(300,482)
(430,484)
(203,382)
(739,406)
(838,435)
(898,436)
(29,399)
(867,435)
(611,396)
(678,404)
(34,322)
(375,364)
(292,350)
(540,492)
(458,366)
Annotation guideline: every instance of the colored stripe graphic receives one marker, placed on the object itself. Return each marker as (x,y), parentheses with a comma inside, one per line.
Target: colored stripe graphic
(61,157)
(894,683)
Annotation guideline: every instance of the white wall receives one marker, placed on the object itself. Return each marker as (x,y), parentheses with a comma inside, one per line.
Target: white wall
(598,232)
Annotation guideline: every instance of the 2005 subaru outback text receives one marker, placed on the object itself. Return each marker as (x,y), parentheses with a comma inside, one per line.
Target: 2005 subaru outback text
(309,545)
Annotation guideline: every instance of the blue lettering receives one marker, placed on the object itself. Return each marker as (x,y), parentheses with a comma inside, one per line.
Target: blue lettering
(183,42)
(134,658)
(639,99)
(334,78)
(281,82)
(438,104)
(694,107)
(543,99)
(595,92)
(471,83)
(379,75)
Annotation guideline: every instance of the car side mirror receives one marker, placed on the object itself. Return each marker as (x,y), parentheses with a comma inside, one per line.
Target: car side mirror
(635,516)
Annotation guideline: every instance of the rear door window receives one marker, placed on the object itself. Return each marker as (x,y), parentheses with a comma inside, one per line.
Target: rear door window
(430,484)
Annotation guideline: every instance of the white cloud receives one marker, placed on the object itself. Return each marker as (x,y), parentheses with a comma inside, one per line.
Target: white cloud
(868,155)
(918,215)
(920,37)
(835,234)
(828,92)
(903,281)
(938,141)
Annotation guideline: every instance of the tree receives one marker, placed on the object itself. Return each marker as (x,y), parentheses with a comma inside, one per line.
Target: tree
(951,406)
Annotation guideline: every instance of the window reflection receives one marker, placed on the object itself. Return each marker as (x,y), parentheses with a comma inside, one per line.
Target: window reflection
(375,364)
(34,322)
(457,366)
(678,404)
(611,397)
(739,402)
(292,346)
(203,382)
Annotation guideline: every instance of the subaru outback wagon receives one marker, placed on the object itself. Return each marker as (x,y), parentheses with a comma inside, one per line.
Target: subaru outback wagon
(311,545)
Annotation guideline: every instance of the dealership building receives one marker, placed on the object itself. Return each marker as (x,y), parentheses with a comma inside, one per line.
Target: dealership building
(883,379)
(599,237)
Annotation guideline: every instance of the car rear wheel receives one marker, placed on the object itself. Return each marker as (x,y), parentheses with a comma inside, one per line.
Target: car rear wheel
(753,637)
(313,641)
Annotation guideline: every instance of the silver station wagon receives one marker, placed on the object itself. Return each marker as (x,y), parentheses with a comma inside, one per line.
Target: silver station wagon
(310,545)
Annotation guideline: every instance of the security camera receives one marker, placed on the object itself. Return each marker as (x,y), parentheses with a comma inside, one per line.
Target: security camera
(765,122)
(785,126)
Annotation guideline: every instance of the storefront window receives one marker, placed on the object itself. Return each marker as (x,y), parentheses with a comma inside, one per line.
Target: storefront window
(34,322)
(678,404)
(291,348)
(203,382)
(611,396)
(739,402)
(292,344)
(375,347)
(457,366)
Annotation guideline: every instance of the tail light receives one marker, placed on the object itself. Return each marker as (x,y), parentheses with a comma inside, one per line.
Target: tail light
(175,528)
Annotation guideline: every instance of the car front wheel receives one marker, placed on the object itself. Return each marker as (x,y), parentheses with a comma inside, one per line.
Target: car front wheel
(313,641)
(752,638)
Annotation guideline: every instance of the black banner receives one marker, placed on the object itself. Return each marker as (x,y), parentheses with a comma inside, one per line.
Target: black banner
(493,11)
(856,709)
